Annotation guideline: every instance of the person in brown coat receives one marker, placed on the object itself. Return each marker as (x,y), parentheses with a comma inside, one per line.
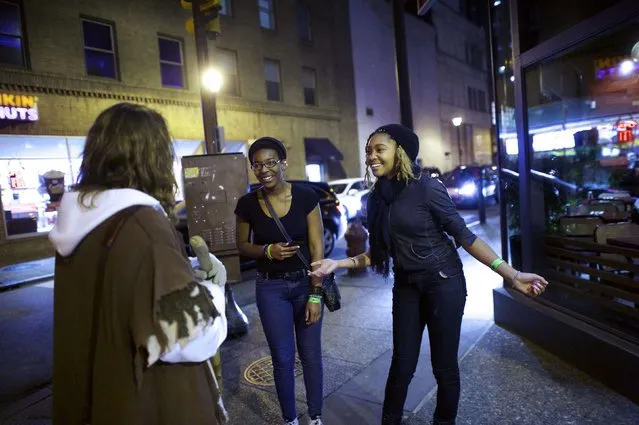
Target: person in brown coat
(156,325)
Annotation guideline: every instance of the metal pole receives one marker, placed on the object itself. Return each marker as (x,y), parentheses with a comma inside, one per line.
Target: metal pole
(503,222)
(459,147)
(209,113)
(524,166)
(401,62)
(481,201)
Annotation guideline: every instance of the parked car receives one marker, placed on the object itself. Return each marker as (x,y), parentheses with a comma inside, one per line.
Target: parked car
(333,218)
(462,183)
(349,192)
(363,210)
(432,171)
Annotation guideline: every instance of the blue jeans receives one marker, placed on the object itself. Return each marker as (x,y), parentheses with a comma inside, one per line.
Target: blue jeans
(437,301)
(282,308)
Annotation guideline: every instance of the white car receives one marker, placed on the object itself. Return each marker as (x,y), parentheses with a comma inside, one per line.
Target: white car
(349,192)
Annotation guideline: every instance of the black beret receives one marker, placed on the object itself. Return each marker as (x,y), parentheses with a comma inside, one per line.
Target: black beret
(403,136)
(267,143)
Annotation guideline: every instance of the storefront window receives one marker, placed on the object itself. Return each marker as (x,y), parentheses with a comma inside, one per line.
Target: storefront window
(36,170)
(33,174)
(583,127)
(505,110)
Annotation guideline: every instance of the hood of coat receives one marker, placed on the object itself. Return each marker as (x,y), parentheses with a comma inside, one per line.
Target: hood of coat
(75,220)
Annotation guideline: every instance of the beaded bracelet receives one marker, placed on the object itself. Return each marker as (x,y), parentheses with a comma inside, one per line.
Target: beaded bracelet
(315,291)
(264,248)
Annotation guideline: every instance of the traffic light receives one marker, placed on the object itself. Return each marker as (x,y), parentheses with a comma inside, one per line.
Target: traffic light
(208,13)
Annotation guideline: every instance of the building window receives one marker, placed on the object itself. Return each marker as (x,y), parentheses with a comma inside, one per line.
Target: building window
(470,10)
(171,62)
(226,8)
(481,101)
(475,56)
(12,45)
(99,49)
(304,22)
(477,100)
(273,80)
(227,63)
(267,14)
(309,82)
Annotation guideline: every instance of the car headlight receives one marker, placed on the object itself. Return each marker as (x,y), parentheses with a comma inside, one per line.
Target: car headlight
(469,189)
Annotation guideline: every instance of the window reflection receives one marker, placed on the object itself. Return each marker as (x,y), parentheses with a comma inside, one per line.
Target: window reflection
(583,135)
(505,110)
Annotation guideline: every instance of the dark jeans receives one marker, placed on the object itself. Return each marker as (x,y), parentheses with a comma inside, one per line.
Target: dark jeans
(282,308)
(436,301)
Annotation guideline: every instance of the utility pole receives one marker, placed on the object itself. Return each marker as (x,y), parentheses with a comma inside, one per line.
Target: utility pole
(401,63)
(459,146)
(208,97)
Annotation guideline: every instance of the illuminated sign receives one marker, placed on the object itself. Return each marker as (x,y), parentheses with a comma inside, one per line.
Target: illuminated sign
(609,67)
(625,130)
(15,107)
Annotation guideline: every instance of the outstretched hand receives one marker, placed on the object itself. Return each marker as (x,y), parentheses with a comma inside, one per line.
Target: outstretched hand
(529,283)
(324,267)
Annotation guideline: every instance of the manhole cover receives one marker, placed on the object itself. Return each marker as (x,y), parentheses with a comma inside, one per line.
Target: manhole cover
(260,372)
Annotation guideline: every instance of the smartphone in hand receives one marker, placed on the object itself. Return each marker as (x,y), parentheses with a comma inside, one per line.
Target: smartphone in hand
(296,243)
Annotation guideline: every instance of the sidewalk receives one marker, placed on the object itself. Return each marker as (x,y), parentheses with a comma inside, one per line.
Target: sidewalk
(505,379)
(23,273)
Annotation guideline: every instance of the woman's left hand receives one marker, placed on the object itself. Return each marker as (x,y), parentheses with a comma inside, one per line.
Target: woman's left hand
(313,312)
(529,283)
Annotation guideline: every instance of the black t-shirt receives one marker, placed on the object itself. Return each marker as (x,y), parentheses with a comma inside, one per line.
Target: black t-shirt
(265,230)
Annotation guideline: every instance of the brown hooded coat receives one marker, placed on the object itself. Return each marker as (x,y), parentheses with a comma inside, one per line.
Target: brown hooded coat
(145,264)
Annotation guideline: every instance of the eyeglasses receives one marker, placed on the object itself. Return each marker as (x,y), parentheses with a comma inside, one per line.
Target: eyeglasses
(271,163)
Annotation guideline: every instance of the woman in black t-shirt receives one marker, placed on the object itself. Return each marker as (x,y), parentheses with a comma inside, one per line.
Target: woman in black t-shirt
(286,297)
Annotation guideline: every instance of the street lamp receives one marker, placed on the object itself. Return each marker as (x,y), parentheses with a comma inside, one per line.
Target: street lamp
(457,122)
(212,80)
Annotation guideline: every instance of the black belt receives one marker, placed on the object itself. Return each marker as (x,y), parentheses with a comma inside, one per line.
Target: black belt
(294,276)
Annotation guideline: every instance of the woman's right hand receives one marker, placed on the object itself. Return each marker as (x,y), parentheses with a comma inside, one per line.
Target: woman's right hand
(324,267)
(281,251)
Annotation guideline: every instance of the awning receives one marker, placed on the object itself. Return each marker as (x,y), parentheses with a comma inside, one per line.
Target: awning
(320,149)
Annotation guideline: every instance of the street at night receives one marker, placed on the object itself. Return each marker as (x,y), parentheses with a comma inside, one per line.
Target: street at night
(304,212)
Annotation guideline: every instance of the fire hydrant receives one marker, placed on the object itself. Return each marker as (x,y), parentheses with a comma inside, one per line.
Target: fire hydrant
(356,237)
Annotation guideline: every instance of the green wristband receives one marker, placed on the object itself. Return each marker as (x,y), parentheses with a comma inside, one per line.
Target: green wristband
(314,299)
(268,252)
(498,262)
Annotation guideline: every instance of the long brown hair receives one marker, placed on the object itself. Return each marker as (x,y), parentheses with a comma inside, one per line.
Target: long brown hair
(128,146)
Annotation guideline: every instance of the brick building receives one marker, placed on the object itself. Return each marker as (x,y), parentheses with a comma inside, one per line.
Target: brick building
(288,74)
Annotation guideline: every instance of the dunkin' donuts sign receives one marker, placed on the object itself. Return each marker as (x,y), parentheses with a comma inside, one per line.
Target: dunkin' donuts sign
(15,107)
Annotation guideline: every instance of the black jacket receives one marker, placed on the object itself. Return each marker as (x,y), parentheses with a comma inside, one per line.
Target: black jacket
(421,218)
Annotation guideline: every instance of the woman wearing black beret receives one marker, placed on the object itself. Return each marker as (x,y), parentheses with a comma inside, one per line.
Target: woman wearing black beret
(289,302)
(411,217)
